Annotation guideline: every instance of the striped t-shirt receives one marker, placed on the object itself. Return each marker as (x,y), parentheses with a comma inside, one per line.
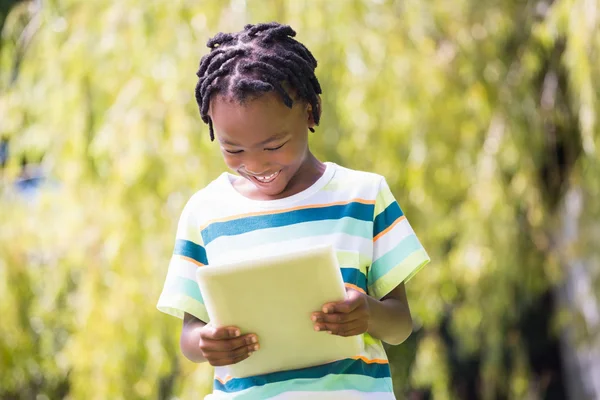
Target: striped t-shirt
(352,210)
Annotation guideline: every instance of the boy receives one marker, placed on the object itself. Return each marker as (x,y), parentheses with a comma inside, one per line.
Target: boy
(259,96)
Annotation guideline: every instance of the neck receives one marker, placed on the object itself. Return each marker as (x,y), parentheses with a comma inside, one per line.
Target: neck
(308,173)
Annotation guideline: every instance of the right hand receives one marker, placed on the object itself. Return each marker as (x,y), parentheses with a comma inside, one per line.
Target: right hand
(222,346)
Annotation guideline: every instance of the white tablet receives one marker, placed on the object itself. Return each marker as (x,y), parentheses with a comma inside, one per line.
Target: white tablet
(275,297)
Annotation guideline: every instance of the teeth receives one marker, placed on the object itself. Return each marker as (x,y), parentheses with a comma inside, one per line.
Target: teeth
(267,178)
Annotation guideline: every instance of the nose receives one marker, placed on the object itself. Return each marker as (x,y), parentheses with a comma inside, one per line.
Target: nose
(255,171)
(256,166)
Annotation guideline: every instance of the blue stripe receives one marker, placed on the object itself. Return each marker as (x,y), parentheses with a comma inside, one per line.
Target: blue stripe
(342,367)
(386,218)
(354,277)
(359,211)
(190,249)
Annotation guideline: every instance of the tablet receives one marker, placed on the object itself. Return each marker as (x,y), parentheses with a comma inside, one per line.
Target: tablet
(274,297)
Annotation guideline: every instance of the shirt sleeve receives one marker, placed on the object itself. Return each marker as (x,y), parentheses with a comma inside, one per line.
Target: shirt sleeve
(397,252)
(181,293)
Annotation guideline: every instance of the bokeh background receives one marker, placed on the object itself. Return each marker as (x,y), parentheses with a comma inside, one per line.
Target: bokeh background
(482,114)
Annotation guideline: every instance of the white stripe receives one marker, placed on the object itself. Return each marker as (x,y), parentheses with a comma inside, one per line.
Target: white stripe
(252,243)
(390,239)
(182,268)
(225,208)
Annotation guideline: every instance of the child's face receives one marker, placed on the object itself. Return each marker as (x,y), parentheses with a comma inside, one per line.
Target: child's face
(263,140)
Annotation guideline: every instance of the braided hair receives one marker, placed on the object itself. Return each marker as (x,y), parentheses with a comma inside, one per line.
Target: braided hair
(257,60)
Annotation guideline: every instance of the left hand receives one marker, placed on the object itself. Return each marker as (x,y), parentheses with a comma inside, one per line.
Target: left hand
(345,318)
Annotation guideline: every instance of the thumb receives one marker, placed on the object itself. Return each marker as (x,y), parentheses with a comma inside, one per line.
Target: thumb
(352,294)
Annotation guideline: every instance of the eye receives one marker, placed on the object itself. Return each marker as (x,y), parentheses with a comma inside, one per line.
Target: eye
(275,148)
(234,152)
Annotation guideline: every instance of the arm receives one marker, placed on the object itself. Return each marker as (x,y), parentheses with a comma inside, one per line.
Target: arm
(389,318)
(397,256)
(190,338)
(219,346)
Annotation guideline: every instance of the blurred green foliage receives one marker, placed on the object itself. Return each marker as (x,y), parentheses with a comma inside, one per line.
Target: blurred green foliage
(481,114)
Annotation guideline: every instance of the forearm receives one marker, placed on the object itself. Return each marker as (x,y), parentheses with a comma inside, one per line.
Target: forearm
(390,320)
(190,339)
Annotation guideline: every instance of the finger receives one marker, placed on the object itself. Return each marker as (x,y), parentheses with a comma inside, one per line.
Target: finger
(335,317)
(330,307)
(345,329)
(225,345)
(354,299)
(229,356)
(353,294)
(352,332)
(336,328)
(219,333)
(346,306)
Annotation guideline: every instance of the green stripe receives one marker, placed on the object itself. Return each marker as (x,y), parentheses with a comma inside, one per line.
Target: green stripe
(177,304)
(353,259)
(348,259)
(188,287)
(424,261)
(393,257)
(400,273)
(329,383)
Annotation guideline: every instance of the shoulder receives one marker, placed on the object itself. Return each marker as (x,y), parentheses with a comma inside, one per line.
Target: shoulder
(347,177)
(214,189)
(208,200)
(350,185)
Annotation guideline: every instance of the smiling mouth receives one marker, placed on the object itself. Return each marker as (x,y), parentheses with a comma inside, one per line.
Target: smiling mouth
(266,178)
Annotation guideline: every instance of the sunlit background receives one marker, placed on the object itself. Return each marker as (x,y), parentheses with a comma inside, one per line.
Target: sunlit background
(483,116)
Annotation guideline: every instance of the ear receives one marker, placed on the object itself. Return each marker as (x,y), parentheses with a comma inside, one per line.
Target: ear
(309,113)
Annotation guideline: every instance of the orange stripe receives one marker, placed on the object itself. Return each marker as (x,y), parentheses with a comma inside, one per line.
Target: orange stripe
(349,285)
(373,361)
(254,214)
(363,358)
(224,380)
(389,228)
(198,263)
